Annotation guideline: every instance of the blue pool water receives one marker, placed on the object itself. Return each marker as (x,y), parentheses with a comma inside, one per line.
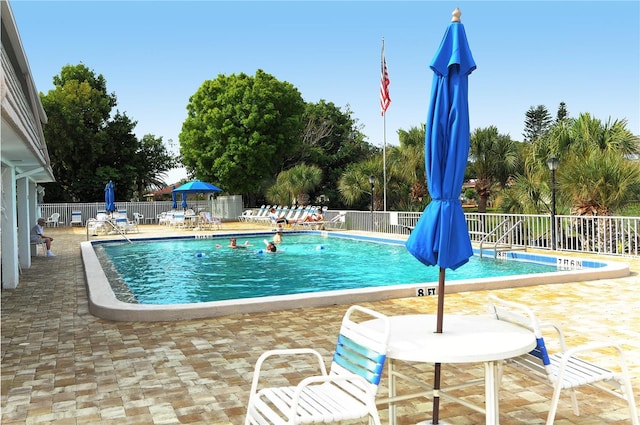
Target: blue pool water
(174,271)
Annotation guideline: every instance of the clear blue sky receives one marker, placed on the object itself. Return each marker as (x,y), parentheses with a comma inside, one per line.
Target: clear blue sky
(156,54)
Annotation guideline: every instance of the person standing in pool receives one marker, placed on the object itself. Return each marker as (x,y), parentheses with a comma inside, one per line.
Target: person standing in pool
(277,239)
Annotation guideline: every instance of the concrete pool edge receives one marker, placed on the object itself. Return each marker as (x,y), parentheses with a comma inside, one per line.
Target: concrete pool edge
(104,304)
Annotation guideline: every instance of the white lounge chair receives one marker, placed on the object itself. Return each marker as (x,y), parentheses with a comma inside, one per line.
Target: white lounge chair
(337,222)
(246,214)
(347,392)
(209,222)
(564,370)
(262,212)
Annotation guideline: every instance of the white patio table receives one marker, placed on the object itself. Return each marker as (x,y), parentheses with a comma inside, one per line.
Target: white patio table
(464,339)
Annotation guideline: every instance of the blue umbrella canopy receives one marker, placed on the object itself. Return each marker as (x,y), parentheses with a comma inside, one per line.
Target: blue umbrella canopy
(109,197)
(440,236)
(197,186)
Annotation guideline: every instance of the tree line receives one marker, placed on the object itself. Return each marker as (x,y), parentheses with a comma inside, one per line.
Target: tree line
(255,135)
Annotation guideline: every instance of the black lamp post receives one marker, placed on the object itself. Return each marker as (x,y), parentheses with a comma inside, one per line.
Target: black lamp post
(553,163)
(372,180)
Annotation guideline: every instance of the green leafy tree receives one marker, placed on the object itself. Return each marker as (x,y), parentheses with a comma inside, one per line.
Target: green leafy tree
(239,129)
(154,161)
(331,139)
(88,143)
(562,114)
(537,123)
(596,174)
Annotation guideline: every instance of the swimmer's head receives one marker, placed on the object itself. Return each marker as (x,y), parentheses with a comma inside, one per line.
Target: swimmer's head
(271,247)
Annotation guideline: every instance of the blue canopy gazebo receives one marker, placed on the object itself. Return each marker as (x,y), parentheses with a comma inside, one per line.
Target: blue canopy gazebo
(194,186)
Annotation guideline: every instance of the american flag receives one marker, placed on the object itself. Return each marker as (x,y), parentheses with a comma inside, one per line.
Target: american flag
(385,99)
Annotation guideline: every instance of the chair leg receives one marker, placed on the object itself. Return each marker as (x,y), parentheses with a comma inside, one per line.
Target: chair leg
(574,402)
(627,390)
(554,404)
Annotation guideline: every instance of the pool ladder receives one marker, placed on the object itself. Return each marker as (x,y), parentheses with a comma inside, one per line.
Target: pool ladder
(113,225)
(498,245)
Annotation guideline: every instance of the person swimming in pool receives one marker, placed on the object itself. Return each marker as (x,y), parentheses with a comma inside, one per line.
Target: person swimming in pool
(270,246)
(233,244)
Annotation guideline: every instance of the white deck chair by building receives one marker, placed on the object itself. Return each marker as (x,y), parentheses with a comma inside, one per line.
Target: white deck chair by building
(347,392)
(565,370)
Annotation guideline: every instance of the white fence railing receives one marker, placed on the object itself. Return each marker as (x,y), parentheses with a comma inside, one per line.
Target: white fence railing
(596,235)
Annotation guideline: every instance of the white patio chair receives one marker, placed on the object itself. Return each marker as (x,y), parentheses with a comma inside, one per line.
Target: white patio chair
(53,220)
(139,218)
(347,392)
(564,370)
(98,225)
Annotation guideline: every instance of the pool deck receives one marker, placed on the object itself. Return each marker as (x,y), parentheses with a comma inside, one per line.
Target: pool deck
(61,365)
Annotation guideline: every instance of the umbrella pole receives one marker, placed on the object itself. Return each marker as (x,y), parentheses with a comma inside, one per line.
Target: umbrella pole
(436,373)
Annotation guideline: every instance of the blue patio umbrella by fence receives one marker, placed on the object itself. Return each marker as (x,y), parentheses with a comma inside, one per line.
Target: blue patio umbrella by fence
(174,201)
(109,197)
(184,200)
(440,236)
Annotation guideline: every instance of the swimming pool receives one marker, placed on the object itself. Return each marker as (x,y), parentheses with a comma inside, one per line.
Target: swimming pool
(103,302)
(203,270)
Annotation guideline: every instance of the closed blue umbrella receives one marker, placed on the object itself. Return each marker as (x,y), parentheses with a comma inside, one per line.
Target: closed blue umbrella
(184,200)
(109,197)
(174,201)
(440,236)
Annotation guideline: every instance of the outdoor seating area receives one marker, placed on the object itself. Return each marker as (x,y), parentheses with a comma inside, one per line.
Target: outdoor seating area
(201,371)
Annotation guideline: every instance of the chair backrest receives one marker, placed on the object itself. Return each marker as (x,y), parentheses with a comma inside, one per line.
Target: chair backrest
(521,315)
(55,217)
(361,350)
(76,215)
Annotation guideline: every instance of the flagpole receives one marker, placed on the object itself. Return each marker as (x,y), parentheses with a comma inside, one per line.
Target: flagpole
(384,159)
(385,100)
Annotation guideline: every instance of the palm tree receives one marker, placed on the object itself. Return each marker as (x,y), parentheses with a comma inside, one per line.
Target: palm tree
(295,182)
(407,163)
(354,185)
(494,158)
